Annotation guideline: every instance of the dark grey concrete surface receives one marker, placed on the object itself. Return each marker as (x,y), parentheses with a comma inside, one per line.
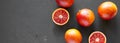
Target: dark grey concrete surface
(29,21)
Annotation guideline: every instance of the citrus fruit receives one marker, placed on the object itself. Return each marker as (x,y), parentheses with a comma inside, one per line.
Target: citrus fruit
(107,10)
(73,36)
(65,3)
(85,17)
(60,16)
(97,37)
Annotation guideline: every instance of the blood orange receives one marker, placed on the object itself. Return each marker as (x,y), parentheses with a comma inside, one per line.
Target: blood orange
(60,16)
(97,37)
(65,3)
(107,10)
(73,36)
(85,17)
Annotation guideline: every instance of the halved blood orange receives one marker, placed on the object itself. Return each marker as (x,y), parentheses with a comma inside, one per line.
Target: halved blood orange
(60,16)
(73,36)
(97,37)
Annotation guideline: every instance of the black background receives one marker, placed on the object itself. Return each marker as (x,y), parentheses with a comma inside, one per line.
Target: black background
(29,21)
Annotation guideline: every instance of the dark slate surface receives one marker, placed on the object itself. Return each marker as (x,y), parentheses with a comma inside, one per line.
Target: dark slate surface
(29,21)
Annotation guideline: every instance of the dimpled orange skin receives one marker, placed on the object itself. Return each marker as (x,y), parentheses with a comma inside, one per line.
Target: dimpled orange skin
(107,10)
(73,35)
(85,17)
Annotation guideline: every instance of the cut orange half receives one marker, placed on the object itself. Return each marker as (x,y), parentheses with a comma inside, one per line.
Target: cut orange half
(60,16)
(97,37)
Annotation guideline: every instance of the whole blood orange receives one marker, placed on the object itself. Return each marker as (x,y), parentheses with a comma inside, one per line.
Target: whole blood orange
(60,16)
(65,3)
(85,17)
(107,10)
(73,36)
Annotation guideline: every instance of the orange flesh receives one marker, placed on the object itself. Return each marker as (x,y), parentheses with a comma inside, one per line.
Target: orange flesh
(97,37)
(60,16)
